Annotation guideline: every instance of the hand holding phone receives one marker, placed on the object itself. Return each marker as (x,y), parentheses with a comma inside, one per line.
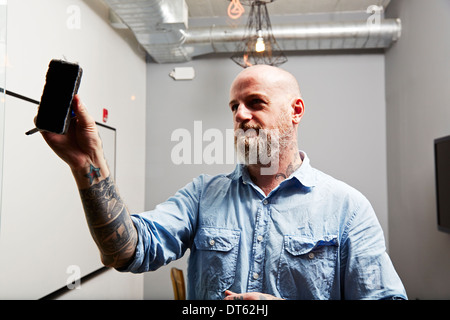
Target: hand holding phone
(55,108)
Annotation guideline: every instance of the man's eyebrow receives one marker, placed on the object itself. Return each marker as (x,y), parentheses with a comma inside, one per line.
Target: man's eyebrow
(232,102)
(257,96)
(250,97)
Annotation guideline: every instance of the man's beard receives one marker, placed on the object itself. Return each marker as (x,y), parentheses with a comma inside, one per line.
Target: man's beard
(256,145)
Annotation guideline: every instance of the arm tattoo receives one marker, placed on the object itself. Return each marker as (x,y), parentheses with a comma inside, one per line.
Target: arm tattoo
(93,173)
(109,223)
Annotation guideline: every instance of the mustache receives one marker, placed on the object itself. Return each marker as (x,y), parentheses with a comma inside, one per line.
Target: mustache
(246,126)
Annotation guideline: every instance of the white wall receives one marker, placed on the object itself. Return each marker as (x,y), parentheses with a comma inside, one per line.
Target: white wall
(35,182)
(418,99)
(343,130)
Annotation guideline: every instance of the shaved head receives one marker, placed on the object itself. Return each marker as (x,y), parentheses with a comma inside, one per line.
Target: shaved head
(274,77)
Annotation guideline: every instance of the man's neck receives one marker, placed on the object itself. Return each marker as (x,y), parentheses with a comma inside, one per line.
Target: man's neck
(289,161)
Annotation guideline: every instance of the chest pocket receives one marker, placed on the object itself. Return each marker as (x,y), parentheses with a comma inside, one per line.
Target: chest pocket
(217,250)
(307,267)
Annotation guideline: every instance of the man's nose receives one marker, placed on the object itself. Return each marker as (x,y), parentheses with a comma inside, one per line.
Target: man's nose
(242,113)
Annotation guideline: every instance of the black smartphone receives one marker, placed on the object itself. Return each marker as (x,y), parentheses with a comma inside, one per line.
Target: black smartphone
(61,85)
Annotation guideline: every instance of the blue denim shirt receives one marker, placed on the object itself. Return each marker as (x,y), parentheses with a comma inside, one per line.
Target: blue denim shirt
(312,237)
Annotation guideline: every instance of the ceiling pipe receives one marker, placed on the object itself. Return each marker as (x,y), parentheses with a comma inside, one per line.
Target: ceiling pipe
(161,27)
(299,37)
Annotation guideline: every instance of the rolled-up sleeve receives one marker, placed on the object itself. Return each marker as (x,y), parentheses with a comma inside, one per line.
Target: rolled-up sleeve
(165,233)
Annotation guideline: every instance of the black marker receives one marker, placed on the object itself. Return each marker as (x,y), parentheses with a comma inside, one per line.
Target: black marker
(33,131)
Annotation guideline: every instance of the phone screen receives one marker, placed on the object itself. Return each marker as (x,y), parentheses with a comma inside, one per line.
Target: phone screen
(62,82)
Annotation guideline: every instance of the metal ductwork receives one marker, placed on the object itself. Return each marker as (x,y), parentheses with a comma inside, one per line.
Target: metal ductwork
(161,27)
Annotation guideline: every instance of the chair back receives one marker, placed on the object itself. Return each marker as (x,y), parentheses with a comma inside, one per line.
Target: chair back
(179,288)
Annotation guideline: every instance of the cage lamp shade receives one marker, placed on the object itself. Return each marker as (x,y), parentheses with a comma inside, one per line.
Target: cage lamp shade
(258,45)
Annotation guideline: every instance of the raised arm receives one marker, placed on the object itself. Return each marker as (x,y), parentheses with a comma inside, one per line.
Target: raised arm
(107,216)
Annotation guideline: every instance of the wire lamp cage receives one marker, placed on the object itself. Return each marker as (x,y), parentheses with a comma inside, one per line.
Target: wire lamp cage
(258,46)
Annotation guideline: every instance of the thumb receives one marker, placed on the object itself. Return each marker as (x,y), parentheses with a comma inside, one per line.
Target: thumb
(80,110)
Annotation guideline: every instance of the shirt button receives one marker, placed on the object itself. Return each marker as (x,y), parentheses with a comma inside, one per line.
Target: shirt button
(266,201)
(255,275)
(211,242)
(311,255)
(244,182)
(259,238)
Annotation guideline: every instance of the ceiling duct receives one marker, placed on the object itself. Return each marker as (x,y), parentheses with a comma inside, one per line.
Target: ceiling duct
(161,27)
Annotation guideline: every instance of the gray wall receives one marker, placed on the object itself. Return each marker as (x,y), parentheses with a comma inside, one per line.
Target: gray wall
(418,111)
(343,130)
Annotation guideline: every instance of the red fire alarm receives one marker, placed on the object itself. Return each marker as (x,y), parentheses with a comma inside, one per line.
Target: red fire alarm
(105,115)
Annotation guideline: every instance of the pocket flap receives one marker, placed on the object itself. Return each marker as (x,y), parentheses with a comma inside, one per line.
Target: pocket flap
(216,239)
(298,245)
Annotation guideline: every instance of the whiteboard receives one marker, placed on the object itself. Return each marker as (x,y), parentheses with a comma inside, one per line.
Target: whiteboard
(108,136)
(43,232)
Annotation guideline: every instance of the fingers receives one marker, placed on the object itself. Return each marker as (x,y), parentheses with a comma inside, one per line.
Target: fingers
(50,137)
(228,292)
(229,295)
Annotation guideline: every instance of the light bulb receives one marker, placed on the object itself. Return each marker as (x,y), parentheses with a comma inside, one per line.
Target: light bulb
(260,46)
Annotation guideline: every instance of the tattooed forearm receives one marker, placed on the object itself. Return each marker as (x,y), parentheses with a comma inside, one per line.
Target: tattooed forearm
(109,222)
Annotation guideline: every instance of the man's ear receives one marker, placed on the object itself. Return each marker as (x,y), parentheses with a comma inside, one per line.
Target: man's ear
(298,107)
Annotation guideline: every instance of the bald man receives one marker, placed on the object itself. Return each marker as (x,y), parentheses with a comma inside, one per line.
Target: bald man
(274,228)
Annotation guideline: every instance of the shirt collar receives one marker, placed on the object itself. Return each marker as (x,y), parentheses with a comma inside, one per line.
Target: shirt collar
(305,174)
